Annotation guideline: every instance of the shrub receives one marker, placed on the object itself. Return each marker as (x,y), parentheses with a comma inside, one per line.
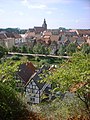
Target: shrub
(15,57)
(10,104)
(37,59)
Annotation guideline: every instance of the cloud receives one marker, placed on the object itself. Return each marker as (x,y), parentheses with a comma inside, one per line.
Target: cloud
(42,4)
(19,13)
(25,3)
(49,1)
(49,12)
(1,11)
(77,21)
(31,5)
(38,6)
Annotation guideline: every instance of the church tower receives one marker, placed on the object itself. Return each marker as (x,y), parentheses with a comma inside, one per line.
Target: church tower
(44,25)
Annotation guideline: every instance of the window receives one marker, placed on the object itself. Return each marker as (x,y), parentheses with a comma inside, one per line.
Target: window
(32,99)
(32,91)
(30,86)
(34,87)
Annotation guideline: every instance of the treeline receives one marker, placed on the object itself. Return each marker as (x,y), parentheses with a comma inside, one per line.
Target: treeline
(16,30)
(42,49)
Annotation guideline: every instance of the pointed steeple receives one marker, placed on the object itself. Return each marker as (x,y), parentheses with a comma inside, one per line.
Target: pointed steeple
(44,25)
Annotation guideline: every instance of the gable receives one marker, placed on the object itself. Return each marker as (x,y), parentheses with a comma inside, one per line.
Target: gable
(26,70)
(36,78)
(32,85)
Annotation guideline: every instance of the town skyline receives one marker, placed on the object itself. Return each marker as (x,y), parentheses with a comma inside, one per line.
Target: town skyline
(26,14)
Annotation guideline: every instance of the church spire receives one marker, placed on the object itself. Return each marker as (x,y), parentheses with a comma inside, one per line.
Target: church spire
(44,25)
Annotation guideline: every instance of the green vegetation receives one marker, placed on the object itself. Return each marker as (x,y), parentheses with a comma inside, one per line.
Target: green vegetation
(15,57)
(11,107)
(62,109)
(16,30)
(7,72)
(71,48)
(71,75)
(62,50)
(74,76)
(85,48)
(40,49)
(14,49)
(3,51)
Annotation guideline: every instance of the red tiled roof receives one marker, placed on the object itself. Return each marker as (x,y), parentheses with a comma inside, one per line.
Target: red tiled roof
(9,34)
(26,70)
(46,37)
(54,37)
(16,35)
(88,40)
(84,32)
(47,33)
(39,29)
(29,34)
(2,36)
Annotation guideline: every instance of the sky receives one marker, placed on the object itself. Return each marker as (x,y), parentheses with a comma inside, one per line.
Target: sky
(24,14)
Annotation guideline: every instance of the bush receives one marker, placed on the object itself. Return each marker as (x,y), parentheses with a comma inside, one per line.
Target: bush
(62,109)
(3,51)
(10,104)
(37,59)
(15,57)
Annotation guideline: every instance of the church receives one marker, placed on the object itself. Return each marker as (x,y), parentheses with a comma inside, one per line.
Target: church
(39,29)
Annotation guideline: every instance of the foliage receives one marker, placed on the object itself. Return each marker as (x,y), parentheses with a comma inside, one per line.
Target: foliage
(72,73)
(62,28)
(85,48)
(14,49)
(24,49)
(16,30)
(40,49)
(62,109)
(37,59)
(8,71)
(3,51)
(10,104)
(43,62)
(71,48)
(30,50)
(15,57)
(61,50)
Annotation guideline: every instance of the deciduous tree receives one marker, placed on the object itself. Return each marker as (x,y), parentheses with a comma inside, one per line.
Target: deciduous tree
(74,76)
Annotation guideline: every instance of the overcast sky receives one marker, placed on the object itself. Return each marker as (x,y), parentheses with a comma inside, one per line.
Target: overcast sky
(58,13)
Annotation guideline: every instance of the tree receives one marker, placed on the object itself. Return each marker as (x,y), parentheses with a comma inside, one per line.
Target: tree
(74,76)
(8,72)
(14,49)
(71,48)
(24,49)
(3,51)
(16,30)
(61,50)
(85,48)
(30,50)
(11,107)
(40,49)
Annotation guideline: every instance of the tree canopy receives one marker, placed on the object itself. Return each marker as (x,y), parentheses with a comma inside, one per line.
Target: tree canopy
(3,51)
(74,76)
(11,107)
(40,49)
